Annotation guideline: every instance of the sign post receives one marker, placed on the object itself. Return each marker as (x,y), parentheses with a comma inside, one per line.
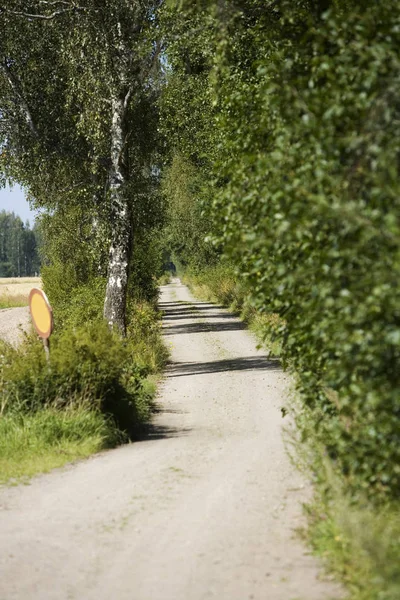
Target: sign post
(42,317)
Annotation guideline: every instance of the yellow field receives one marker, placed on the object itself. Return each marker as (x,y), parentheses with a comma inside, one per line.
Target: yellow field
(15,292)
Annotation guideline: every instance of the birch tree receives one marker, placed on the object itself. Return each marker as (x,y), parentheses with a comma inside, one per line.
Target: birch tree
(76,113)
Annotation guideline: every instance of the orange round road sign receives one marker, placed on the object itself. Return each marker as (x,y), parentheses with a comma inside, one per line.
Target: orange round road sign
(41,313)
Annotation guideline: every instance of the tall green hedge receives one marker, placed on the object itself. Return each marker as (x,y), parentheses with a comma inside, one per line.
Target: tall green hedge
(311,213)
(305,151)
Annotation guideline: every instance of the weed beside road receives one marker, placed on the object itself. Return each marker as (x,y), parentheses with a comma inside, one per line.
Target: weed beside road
(38,442)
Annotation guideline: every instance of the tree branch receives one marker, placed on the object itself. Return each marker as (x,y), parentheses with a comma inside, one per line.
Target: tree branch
(16,87)
(159,47)
(53,15)
(55,3)
(127,99)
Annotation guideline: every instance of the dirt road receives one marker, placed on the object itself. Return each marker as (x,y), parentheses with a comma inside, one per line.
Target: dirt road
(12,322)
(203,508)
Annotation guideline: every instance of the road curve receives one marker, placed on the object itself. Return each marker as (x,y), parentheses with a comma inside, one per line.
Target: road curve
(204,507)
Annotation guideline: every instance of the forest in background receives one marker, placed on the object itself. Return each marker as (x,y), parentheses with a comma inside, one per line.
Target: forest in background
(19,256)
(259,143)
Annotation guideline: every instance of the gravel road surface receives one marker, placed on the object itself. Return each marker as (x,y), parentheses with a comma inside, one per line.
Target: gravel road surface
(204,507)
(12,320)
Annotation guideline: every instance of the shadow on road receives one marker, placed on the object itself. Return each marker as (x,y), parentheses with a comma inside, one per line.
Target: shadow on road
(175,315)
(161,432)
(154,431)
(188,306)
(204,328)
(250,363)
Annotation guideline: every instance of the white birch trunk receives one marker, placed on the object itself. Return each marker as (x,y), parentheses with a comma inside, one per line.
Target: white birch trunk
(23,105)
(117,279)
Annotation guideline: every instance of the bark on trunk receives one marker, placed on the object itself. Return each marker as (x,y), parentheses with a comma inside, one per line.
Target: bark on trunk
(16,87)
(117,280)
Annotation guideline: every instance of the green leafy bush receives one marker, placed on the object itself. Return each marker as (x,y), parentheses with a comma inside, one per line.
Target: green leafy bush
(144,337)
(309,210)
(83,305)
(89,366)
(74,303)
(302,132)
(145,267)
(218,283)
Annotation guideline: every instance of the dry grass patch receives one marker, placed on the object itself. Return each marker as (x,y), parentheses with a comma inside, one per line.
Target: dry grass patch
(15,292)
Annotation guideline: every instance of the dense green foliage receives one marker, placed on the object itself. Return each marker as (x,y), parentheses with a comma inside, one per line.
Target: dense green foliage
(18,247)
(191,140)
(305,142)
(188,224)
(90,367)
(78,127)
(74,271)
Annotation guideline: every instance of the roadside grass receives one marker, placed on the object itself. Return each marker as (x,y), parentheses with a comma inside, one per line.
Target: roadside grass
(359,544)
(39,442)
(357,541)
(13,301)
(144,335)
(219,284)
(165,279)
(215,284)
(263,326)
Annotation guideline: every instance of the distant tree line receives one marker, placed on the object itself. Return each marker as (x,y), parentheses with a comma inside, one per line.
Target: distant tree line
(18,247)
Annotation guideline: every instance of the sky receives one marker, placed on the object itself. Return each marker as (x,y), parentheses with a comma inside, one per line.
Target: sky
(13,200)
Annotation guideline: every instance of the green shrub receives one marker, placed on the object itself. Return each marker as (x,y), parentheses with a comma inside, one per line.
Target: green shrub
(217,282)
(145,344)
(94,393)
(73,303)
(290,130)
(309,210)
(88,366)
(145,266)
(13,301)
(84,305)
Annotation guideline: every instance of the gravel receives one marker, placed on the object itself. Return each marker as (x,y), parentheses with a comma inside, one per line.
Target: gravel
(12,322)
